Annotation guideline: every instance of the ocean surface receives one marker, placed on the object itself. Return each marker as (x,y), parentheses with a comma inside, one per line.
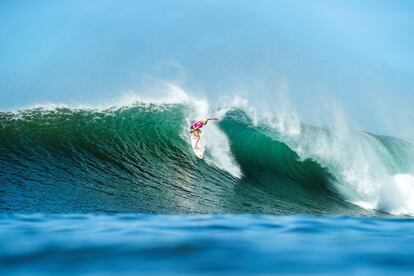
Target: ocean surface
(45,244)
(99,190)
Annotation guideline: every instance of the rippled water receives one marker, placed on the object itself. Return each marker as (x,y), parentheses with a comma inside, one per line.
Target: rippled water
(241,244)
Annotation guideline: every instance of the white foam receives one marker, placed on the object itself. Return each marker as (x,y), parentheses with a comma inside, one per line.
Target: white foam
(219,148)
(398,197)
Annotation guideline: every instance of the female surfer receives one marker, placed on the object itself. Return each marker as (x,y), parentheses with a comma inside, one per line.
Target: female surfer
(195,128)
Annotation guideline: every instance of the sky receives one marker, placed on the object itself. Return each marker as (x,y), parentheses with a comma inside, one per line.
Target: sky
(358,55)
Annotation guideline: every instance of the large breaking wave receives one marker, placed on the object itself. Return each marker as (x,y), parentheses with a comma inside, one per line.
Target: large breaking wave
(137,158)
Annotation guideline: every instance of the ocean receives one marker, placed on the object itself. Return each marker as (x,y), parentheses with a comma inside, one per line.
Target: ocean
(117,189)
(71,244)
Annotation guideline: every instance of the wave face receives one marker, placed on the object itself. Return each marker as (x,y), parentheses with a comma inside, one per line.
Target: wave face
(138,158)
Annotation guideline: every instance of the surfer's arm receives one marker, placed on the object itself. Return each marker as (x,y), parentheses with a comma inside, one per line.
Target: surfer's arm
(209,119)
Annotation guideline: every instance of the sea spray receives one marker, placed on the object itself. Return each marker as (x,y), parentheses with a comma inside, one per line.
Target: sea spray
(364,168)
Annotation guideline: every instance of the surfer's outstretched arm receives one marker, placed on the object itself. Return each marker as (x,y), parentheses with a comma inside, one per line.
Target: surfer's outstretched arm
(209,119)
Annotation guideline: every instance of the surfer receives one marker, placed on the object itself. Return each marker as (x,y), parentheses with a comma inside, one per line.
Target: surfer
(195,128)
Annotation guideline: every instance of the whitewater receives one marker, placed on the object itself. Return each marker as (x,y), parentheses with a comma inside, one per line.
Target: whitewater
(134,155)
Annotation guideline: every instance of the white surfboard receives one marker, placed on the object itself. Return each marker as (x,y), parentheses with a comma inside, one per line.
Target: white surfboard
(199,151)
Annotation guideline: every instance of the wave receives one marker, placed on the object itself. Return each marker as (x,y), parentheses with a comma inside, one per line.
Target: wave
(137,158)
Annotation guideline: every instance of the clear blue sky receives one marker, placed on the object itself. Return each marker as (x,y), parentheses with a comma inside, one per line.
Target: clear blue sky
(359,53)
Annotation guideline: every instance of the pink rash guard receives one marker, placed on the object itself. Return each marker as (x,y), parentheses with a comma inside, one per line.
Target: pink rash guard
(198,124)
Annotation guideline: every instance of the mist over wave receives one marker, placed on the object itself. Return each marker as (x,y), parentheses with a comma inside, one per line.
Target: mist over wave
(135,156)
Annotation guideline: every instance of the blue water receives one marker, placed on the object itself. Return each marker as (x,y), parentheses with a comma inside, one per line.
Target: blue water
(45,244)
